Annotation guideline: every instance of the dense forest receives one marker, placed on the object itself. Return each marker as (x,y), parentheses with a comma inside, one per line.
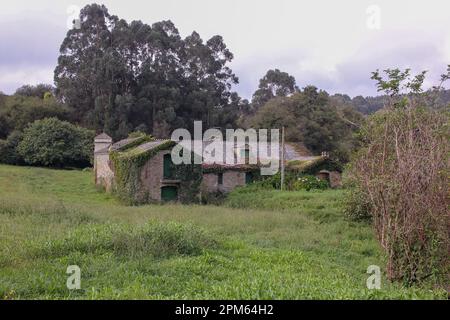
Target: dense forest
(369,105)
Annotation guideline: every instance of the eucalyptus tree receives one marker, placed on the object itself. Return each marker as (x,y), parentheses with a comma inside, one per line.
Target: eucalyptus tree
(118,76)
(274,84)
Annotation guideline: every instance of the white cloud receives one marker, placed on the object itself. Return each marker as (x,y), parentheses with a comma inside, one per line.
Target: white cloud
(13,78)
(316,41)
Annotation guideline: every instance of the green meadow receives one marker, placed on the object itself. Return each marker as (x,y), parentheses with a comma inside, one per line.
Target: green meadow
(258,245)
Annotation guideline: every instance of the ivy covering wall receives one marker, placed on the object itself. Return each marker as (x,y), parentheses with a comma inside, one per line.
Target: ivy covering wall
(128,162)
(190,177)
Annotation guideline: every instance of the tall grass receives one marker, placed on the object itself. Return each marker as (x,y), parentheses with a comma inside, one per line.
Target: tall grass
(260,245)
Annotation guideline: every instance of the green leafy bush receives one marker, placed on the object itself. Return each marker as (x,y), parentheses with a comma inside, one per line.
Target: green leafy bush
(54,143)
(136,134)
(293,182)
(308,182)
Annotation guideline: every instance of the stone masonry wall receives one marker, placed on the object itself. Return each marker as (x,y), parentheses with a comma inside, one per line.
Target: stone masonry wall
(151,175)
(104,176)
(231,180)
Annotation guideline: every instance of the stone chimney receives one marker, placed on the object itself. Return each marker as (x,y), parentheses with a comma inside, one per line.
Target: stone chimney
(102,141)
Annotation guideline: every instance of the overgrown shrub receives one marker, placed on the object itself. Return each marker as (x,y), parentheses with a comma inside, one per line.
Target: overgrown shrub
(293,181)
(356,205)
(403,168)
(55,143)
(136,134)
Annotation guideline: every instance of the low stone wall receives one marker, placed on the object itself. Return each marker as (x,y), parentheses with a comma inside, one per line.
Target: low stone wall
(333,177)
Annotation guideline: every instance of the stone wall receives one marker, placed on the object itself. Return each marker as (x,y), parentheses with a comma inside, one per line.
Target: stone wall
(104,176)
(185,177)
(209,183)
(333,177)
(231,180)
(152,175)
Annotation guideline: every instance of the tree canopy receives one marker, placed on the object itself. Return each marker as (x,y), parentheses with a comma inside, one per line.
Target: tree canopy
(274,84)
(41,90)
(17,111)
(310,117)
(118,76)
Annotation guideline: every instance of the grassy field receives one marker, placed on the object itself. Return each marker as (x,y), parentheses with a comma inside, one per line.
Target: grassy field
(259,245)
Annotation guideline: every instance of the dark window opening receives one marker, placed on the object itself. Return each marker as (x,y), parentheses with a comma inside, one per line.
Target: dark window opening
(248,177)
(245,154)
(169,193)
(220,179)
(167,166)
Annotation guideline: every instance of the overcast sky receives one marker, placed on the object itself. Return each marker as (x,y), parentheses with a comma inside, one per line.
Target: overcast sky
(333,45)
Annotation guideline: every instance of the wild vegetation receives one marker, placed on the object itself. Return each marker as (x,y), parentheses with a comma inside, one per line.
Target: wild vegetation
(132,78)
(263,244)
(401,178)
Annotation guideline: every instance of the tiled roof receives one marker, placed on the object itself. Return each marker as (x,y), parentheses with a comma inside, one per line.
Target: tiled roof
(294,152)
(122,143)
(150,145)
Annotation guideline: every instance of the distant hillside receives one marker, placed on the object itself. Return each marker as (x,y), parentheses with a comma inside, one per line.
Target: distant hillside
(368,105)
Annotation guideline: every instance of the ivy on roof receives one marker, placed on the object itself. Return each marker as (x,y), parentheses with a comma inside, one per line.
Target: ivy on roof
(127,162)
(219,168)
(135,143)
(315,165)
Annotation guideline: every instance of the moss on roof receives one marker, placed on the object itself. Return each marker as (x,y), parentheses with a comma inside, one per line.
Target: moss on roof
(314,165)
(129,143)
(127,162)
(301,165)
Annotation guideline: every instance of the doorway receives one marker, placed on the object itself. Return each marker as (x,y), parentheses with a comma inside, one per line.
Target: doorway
(169,193)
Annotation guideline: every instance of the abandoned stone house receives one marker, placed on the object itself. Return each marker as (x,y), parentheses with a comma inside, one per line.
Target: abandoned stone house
(141,169)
